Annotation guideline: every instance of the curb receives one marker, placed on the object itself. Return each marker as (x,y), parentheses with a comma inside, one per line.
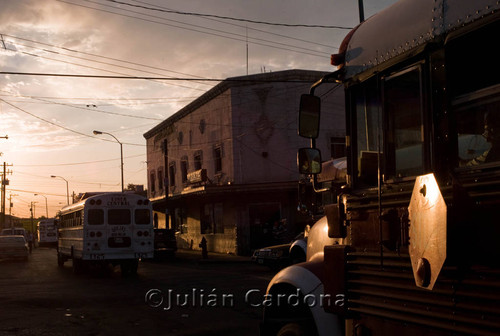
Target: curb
(213,257)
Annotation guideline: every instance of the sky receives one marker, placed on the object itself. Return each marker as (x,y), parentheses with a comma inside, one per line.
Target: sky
(49,120)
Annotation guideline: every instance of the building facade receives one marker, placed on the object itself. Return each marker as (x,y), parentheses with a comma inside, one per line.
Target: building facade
(224,166)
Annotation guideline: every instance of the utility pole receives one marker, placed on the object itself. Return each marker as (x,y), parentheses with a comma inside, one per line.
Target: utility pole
(32,209)
(10,207)
(5,182)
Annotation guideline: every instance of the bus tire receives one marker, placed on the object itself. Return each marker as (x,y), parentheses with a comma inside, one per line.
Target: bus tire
(134,265)
(292,329)
(129,267)
(77,265)
(60,260)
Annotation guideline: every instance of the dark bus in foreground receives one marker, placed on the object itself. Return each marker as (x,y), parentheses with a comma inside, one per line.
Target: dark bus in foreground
(413,239)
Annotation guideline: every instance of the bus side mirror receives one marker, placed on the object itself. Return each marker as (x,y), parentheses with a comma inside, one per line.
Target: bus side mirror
(309,113)
(309,161)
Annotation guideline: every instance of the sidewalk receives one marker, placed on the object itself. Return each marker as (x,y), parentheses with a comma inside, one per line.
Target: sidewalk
(213,257)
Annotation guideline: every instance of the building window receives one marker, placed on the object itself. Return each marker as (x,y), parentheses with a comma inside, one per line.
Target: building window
(212,218)
(171,174)
(184,169)
(337,147)
(152,182)
(218,159)
(198,160)
(180,220)
(160,178)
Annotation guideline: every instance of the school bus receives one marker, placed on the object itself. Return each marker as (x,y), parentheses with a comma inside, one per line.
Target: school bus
(411,245)
(108,228)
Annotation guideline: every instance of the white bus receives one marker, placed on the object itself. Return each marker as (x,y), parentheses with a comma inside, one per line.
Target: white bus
(114,228)
(47,232)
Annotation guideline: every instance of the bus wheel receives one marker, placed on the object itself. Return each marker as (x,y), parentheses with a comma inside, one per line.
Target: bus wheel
(129,267)
(291,329)
(60,260)
(133,266)
(77,266)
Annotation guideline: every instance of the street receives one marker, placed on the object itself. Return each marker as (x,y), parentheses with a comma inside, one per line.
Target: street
(181,296)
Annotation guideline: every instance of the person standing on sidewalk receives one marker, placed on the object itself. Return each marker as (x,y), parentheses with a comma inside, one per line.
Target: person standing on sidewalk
(30,241)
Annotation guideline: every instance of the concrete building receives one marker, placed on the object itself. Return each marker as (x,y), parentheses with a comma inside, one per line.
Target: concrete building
(224,166)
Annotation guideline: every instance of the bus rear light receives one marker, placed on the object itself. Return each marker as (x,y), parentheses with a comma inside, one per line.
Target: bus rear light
(99,234)
(98,202)
(146,233)
(146,202)
(139,202)
(139,233)
(92,234)
(92,202)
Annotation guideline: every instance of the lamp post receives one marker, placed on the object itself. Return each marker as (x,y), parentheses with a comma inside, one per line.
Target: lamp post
(121,151)
(67,187)
(46,205)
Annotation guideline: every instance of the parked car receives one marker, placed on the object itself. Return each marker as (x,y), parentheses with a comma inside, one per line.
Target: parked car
(165,243)
(15,231)
(282,255)
(13,247)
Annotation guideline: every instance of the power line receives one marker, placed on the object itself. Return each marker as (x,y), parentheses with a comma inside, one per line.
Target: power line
(96,55)
(100,98)
(249,80)
(99,111)
(35,192)
(254,29)
(205,30)
(228,17)
(79,163)
(87,66)
(63,127)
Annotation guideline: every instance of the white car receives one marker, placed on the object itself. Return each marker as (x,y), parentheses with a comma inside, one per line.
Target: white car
(13,247)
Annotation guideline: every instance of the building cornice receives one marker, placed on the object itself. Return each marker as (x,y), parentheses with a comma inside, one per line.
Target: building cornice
(305,76)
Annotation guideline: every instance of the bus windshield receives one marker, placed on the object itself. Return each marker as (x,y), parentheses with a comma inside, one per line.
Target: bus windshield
(118,216)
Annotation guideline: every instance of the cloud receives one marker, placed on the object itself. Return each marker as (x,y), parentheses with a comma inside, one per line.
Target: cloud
(48,36)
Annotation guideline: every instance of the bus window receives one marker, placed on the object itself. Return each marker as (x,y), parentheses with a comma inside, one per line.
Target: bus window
(96,217)
(403,108)
(478,133)
(142,216)
(367,127)
(119,216)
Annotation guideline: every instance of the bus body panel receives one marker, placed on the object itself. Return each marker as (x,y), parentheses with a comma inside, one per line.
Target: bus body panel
(409,25)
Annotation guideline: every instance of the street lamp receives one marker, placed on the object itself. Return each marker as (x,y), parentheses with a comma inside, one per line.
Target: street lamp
(67,187)
(121,150)
(46,205)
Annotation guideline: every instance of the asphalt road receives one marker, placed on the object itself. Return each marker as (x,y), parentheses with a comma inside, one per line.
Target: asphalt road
(181,296)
